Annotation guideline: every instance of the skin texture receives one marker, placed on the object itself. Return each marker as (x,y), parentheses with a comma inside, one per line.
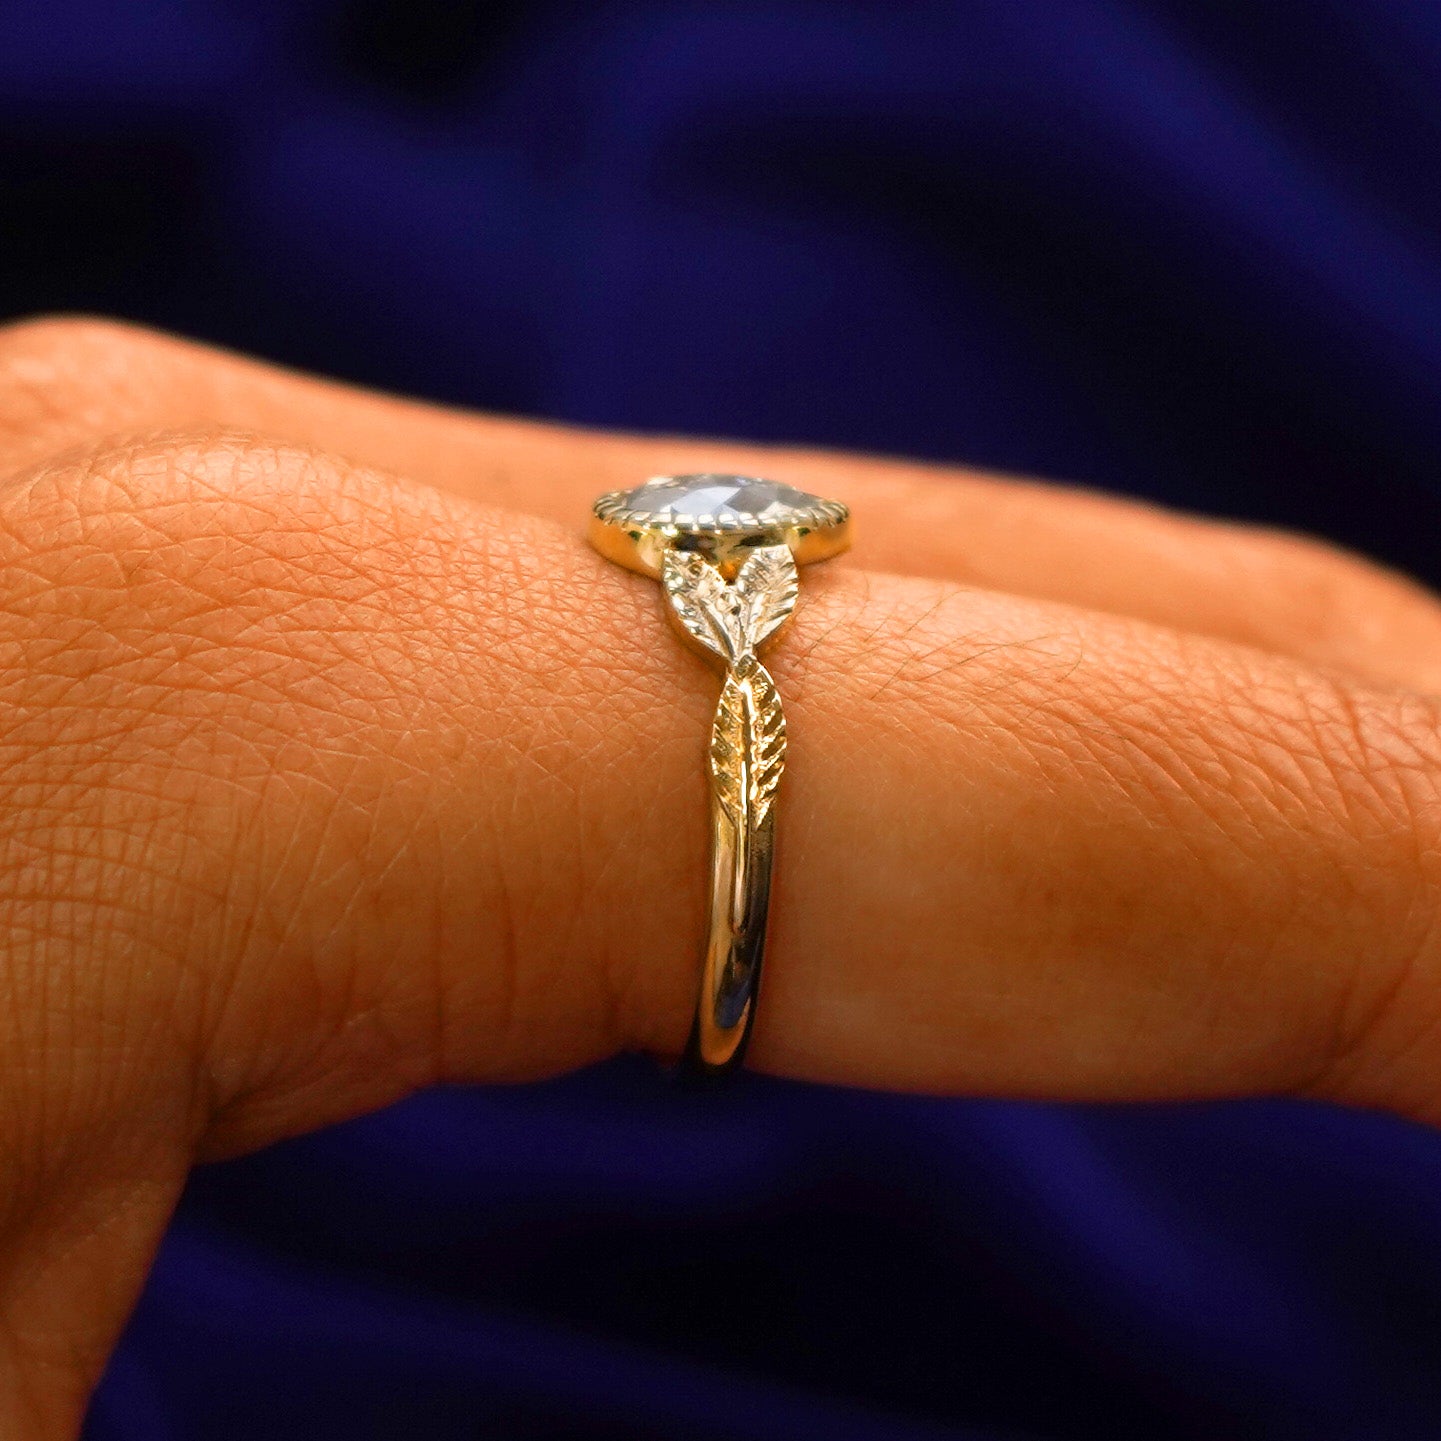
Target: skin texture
(335,764)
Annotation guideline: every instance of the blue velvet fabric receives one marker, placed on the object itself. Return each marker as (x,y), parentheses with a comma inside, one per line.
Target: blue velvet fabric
(1185,250)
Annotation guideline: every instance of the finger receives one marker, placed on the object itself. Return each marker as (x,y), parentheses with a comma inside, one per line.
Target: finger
(68,382)
(389,724)
(316,788)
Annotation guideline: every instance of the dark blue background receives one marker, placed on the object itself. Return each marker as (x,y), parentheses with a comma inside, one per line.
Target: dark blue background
(1184,250)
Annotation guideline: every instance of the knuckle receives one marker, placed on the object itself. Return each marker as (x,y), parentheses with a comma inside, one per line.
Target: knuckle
(127,588)
(196,574)
(163,611)
(176,485)
(273,680)
(96,531)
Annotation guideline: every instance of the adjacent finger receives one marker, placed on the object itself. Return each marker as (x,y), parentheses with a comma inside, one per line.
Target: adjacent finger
(68,382)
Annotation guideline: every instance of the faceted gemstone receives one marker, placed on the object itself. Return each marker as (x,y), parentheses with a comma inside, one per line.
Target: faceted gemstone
(730,500)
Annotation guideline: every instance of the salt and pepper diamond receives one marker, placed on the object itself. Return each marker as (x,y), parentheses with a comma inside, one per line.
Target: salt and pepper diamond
(709,503)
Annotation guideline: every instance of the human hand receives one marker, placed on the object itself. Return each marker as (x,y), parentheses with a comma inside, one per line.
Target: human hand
(334,764)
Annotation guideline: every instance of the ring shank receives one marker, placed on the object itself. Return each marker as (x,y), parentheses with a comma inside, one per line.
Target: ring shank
(730,976)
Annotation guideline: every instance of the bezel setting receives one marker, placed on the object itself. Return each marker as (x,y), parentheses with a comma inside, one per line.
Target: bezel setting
(637,535)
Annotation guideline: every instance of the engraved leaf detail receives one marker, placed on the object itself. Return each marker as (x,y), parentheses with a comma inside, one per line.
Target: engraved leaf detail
(702,601)
(748,739)
(766,588)
(748,745)
(733,620)
(768,742)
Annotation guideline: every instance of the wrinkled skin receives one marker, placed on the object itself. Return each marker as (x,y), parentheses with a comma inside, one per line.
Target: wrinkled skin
(334,764)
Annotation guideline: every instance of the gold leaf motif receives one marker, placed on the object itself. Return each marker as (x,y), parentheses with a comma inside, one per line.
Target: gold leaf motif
(704,604)
(732,621)
(728,751)
(748,745)
(768,742)
(766,590)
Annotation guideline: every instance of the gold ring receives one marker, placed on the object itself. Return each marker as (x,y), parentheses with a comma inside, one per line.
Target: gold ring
(726,548)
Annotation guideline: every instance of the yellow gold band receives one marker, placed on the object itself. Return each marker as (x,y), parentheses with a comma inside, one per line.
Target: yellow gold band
(726,549)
